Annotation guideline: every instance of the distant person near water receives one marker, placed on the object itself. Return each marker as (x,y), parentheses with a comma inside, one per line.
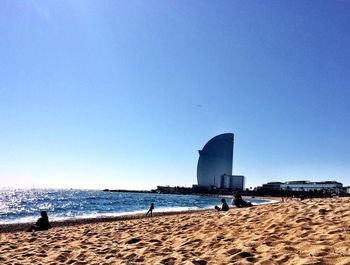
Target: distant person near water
(224,206)
(150,211)
(41,224)
(239,202)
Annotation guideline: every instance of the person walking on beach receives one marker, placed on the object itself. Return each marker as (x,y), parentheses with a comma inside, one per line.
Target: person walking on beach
(224,206)
(150,209)
(41,224)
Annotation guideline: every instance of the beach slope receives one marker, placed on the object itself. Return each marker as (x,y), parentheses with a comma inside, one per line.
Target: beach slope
(295,232)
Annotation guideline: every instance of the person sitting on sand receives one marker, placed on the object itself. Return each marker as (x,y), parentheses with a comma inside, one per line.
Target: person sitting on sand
(224,206)
(239,202)
(41,224)
(150,209)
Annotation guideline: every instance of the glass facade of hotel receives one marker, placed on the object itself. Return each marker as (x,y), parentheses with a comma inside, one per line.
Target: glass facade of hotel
(215,160)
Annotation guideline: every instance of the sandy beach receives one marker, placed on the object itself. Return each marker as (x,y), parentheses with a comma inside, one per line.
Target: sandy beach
(294,232)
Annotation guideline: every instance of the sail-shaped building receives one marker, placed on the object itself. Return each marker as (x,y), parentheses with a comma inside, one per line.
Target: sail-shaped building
(214,169)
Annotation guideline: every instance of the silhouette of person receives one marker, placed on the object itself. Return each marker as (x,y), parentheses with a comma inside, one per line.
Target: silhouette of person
(150,209)
(224,206)
(41,224)
(239,202)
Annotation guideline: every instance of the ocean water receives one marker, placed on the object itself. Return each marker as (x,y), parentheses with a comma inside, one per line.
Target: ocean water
(24,205)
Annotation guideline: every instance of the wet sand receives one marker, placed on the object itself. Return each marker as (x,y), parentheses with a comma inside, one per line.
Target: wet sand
(294,232)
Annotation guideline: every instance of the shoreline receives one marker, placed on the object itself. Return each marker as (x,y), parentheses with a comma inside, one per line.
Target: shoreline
(74,221)
(20,227)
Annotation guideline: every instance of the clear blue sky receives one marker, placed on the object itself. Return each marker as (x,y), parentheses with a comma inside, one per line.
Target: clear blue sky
(122,94)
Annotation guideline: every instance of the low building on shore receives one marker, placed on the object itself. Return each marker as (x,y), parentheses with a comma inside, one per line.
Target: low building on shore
(234,182)
(272,186)
(173,190)
(347,190)
(304,186)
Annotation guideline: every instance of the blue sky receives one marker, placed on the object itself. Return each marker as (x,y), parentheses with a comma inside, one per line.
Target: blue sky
(122,94)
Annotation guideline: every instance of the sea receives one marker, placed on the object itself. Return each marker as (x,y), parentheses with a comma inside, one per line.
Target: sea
(24,205)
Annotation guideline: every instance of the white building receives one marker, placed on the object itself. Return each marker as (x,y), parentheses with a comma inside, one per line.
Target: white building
(305,185)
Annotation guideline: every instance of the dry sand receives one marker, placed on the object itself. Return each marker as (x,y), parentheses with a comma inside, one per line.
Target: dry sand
(295,232)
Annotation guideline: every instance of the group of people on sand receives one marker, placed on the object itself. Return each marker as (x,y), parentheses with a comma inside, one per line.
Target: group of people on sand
(44,224)
(236,201)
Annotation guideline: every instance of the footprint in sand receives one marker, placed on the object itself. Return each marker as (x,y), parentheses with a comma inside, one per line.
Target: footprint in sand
(32,239)
(322,211)
(303,220)
(81,256)
(28,254)
(155,242)
(283,259)
(192,242)
(131,256)
(199,262)
(305,234)
(233,251)
(289,248)
(109,257)
(245,255)
(337,231)
(80,262)
(133,241)
(168,261)
(42,254)
(63,257)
